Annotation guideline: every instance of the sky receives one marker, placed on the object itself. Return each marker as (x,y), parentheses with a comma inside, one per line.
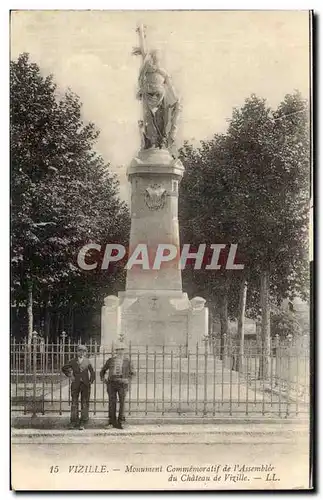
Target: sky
(215,58)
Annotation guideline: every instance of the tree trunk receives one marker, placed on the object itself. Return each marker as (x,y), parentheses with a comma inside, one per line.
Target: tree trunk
(224,321)
(58,319)
(264,361)
(239,358)
(69,320)
(30,311)
(47,317)
(72,322)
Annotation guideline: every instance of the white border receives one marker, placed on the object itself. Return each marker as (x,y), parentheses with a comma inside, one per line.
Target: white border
(162,5)
(4,171)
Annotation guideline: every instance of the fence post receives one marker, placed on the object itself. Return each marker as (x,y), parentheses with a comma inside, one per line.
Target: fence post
(34,363)
(130,361)
(13,361)
(95,370)
(60,365)
(289,348)
(277,358)
(42,354)
(225,353)
(178,365)
(16,355)
(26,354)
(46,354)
(223,344)
(231,367)
(197,379)
(163,381)
(28,345)
(272,352)
(63,337)
(13,353)
(146,402)
(205,374)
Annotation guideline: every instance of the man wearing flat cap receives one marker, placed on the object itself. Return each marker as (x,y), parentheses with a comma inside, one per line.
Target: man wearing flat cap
(120,371)
(82,375)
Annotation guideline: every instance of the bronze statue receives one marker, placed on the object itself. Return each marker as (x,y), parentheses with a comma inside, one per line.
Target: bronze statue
(161,106)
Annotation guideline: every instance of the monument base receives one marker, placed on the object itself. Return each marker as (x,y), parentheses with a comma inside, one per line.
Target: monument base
(154,318)
(154,311)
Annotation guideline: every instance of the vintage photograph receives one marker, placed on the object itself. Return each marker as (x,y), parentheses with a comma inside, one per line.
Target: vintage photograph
(161,243)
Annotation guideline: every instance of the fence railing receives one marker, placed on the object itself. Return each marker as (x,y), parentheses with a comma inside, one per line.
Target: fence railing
(205,380)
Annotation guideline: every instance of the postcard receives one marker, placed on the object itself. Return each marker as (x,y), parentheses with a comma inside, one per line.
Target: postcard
(161,222)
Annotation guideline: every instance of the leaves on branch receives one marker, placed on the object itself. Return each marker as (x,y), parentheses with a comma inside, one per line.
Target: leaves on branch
(250,186)
(62,192)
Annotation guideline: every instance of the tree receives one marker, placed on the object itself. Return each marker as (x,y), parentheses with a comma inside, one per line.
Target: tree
(275,181)
(251,186)
(284,324)
(239,359)
(206,214)
(62,194)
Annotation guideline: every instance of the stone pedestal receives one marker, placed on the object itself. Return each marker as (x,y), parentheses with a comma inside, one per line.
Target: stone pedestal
(110,320)
(198,321)
(153,310)
(154,320)
(154,176)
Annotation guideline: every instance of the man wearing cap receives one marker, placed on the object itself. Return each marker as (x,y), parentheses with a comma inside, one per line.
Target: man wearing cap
(81,373)
(120,371)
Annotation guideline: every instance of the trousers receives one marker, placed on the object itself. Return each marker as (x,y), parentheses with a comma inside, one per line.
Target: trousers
(85,391)
(116,389)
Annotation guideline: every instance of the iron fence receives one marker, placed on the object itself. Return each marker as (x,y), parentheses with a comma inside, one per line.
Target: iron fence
(170,380)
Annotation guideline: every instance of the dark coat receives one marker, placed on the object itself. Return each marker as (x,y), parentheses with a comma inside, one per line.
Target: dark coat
(82,372)
(127,368)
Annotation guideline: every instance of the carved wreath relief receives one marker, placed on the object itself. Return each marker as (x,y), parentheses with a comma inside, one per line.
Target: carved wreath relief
(155,197)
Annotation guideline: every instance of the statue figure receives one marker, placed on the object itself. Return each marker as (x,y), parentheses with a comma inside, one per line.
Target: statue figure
(161,106)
